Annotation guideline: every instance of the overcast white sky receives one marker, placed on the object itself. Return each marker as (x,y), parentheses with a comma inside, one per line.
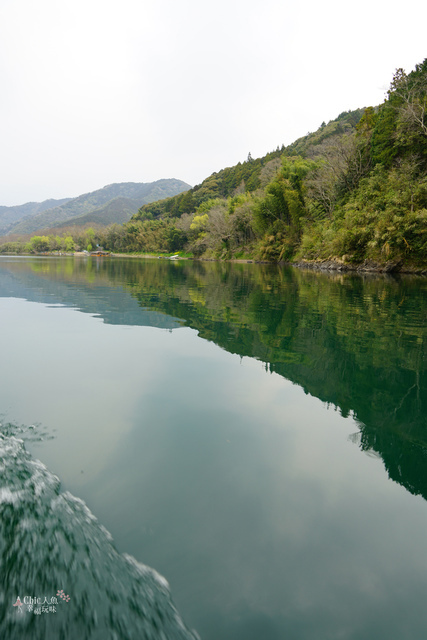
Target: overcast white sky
(102,91)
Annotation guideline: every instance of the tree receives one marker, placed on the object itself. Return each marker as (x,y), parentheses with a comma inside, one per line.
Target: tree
(284,196)
(341,163)
(39,244)
(411,90)
(199,224)
(269,171)
(68,244)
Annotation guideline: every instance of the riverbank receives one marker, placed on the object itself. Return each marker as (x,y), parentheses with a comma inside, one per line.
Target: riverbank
(332,264)
(368,266)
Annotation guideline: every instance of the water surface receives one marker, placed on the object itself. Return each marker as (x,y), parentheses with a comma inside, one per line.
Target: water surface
(255,434)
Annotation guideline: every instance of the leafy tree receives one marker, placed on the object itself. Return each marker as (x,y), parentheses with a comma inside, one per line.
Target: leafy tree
(199,223)
(242,223)
(384,151)
(39,244)
(284,196)
(401,127)
(269,171)
(68,244)
(411,93)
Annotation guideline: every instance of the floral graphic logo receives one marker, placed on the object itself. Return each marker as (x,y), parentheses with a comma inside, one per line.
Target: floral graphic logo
(62,595)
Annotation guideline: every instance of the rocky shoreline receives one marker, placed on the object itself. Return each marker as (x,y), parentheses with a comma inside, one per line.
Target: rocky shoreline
(368,266)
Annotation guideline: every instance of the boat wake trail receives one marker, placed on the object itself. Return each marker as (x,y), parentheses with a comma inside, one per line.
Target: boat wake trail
(62,577)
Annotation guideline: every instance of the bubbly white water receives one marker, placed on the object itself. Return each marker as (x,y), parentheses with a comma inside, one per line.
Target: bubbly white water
(51,543)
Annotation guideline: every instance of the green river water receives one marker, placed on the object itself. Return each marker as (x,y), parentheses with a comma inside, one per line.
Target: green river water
(255,434)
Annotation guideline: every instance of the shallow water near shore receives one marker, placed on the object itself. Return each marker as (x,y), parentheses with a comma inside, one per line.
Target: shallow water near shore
(256,434)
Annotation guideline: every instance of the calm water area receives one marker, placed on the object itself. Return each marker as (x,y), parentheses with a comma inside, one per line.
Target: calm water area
(256,434)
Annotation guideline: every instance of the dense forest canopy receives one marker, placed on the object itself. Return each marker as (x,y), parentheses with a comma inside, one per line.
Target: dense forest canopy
(353,192)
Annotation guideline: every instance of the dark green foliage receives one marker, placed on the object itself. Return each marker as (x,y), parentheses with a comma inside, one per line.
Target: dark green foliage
(384,149)
(401,127)
(284,199)
(384,219)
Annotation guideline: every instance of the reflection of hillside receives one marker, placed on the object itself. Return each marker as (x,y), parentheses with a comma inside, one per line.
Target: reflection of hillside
(80,285)
(357,343)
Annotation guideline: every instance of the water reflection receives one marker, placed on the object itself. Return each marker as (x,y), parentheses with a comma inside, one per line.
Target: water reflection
(356,342)
(237,484)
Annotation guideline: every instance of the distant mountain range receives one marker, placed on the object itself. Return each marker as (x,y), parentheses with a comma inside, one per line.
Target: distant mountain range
(113,203)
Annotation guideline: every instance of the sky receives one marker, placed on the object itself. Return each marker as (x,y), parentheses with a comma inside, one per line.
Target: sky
(94,92)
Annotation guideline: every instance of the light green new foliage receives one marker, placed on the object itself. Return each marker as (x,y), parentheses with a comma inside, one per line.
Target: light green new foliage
(207,205)
(68,244)
(199,223)
(39,244)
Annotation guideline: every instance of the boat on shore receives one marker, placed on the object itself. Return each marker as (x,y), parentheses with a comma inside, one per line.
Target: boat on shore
(99,252)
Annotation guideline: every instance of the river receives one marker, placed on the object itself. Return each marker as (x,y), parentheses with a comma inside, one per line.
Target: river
(255,434)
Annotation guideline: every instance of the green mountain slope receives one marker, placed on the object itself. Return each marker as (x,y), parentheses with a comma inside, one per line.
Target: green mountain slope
(72,210)
(353,194)
(248,176)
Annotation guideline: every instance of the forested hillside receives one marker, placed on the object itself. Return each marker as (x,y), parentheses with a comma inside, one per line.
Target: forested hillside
(248,176)
(352,193)
(355,191)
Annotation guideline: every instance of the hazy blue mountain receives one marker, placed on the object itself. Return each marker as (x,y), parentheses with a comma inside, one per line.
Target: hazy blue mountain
(129,196)
(118,210)
(9,216)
